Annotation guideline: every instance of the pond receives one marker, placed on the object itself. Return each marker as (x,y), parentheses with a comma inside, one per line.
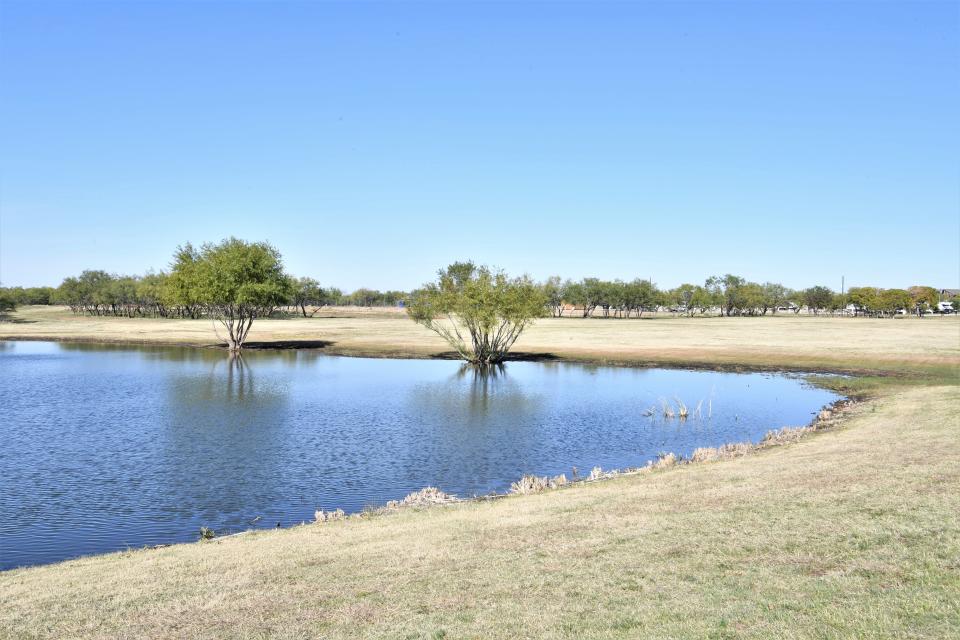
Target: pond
(107,447)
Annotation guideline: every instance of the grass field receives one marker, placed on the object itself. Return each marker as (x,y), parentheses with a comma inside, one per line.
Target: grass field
(853,532)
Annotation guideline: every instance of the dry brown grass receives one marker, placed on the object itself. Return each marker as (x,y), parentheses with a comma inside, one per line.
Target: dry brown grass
(665,461)
(426,497)
(329,516)
(850,533)
(537,484)
(854,344)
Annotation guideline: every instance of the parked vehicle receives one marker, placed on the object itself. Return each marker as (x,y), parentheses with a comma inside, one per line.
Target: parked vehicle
(945,307)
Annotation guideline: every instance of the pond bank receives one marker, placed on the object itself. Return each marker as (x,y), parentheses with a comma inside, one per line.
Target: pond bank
(831,416)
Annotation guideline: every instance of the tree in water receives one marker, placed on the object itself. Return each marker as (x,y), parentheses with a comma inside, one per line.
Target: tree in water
(479,312)
(235,281)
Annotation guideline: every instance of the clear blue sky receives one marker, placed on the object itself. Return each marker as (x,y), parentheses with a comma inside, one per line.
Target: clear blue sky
(374,143)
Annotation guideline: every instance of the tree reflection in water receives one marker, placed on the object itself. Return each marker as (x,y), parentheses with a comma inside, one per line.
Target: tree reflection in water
(239,377)
(483,384)
(223,444)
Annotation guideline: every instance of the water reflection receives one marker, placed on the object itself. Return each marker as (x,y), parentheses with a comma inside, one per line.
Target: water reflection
(298,357)
(239,378)
(223,386)
(223,445)
(483,384)
(170,354)
(472,395)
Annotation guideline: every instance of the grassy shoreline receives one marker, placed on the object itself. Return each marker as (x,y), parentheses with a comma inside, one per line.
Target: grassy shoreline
(852,531)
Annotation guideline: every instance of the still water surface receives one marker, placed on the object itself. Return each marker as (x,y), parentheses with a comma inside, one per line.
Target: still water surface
(105,448)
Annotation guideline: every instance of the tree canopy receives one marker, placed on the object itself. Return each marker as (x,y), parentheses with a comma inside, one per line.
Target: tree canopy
(478,311)
(236,281)
(7,302)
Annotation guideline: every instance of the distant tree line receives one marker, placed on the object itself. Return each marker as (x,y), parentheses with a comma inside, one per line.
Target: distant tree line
(727,295)
(167,295)
(20,296)
(309,297)
(170,295)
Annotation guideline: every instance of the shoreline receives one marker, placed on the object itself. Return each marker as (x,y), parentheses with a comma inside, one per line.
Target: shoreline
(815,344)
(837,413)
(830,416)
(836,408)
(519,356)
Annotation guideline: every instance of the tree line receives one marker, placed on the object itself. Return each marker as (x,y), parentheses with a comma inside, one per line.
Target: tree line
(727,295)
(162,295)
(165,295)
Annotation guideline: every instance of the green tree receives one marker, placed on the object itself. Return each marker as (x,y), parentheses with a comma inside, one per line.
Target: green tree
(701,300)
(641,295)
(752,299)
(364,297)
(237,282)
(39,295)
(68,293)
(8,300)
(893,300)
(554,291)
(818,298)
(774,296)
(794,300)
(331,297)
(150,293)
(864,299)
(87,293)
(613,297)
(575,293)
(727,291)
(479,312)
(680,298)
(594,293)
(587,294)
(307,293)
(923,298)
(29,296)
(182,288)
(838,302)
(121,295)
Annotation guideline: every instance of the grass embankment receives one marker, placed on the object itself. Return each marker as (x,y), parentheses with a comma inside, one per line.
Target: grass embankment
(851,532)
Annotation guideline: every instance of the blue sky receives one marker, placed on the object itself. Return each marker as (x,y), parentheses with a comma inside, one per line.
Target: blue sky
(375,143)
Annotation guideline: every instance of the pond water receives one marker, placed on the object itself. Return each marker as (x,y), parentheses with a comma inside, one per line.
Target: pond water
(105,447)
